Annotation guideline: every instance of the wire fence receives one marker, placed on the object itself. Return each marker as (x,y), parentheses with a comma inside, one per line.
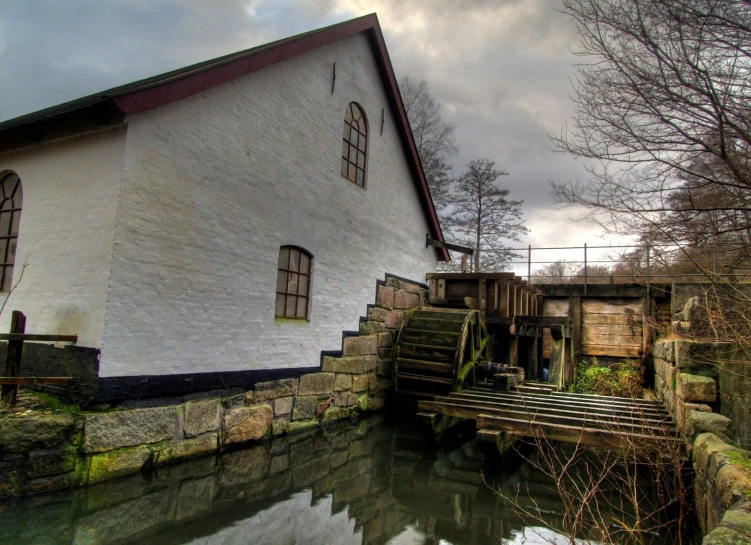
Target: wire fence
(618,264)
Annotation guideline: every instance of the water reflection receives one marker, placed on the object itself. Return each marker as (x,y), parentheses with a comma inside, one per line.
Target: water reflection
(364,484)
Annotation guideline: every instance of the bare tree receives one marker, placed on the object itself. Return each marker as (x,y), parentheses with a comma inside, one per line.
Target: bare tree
(482,216)
(635,492)
(434,137)
(662,109)
(558,272)
(595,274)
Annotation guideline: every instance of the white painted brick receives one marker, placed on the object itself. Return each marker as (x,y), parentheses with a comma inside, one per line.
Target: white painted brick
(215,183)
(160,245)
(70,192)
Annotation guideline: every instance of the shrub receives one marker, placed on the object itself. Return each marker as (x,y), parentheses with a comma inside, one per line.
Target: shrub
(619,379)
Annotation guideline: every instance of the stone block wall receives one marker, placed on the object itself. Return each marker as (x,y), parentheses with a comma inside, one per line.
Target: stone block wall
(686,379)
(343,471)
(722,490)
(44,452)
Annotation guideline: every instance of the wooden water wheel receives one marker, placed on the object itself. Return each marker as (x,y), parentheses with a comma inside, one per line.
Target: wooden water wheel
(437,350)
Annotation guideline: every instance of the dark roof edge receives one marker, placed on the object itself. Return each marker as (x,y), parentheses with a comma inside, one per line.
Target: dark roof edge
(169,87)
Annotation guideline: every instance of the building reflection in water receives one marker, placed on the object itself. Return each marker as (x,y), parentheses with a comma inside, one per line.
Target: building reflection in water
(366,483)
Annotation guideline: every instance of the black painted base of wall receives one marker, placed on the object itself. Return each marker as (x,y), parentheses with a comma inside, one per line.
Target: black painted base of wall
(175,387)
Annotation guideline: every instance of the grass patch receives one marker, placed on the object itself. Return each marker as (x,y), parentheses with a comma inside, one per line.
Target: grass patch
(619,379)
(57,405)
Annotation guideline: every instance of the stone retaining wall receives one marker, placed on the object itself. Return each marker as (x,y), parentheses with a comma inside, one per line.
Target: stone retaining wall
(688,377)
(343,469)
(722,490)
(45,452)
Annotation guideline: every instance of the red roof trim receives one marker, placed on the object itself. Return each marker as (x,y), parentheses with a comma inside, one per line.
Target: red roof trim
(409,141)
(183,86)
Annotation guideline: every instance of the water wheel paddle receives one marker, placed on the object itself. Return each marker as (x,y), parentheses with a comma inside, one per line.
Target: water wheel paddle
(437,350)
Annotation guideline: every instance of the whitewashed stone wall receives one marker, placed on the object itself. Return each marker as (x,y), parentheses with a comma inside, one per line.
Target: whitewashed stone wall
(216,183)
(70,191)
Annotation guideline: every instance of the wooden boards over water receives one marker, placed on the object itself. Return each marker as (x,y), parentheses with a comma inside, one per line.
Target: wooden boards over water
(598,421)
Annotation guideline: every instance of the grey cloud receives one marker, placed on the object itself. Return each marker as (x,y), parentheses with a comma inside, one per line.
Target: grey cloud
(501,68)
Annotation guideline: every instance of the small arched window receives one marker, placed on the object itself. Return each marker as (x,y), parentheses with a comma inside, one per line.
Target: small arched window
(354,144)
(293,283)
(10,219)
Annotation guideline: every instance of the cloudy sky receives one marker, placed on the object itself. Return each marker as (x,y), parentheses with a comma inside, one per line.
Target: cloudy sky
(500,68)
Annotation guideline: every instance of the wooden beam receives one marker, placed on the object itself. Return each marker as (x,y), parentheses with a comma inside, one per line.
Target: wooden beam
(530,420)
(609,399)
(593,319)
(636,291)
(559,400)
(540,321)
(31,381)
(549,402)
(610,420)
(612,350)
(26,337)
(619,330)
(573,434)
(471,276)
(448,246)
(497,440)
(575,315)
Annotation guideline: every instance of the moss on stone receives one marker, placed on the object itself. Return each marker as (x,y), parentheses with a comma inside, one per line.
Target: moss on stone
(298,426)
(117,462)
(741,459)
(725,536)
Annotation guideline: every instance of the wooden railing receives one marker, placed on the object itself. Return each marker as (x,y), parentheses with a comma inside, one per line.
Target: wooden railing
(12,378)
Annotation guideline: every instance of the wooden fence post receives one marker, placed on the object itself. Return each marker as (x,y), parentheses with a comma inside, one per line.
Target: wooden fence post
(13,358)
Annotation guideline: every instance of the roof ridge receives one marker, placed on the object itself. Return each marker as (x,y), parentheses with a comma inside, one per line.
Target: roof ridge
(162,78)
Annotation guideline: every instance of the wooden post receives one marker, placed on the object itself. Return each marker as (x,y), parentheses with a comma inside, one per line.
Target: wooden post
(575,315)
(13,358)
(646,327)
(508,298)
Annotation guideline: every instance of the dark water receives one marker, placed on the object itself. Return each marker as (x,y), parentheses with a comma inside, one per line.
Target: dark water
(366,483)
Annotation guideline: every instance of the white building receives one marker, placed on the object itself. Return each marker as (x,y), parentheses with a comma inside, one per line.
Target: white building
(154,216)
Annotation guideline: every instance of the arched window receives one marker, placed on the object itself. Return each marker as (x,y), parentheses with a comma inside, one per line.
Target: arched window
(293,282)
(10,219)
(354,144)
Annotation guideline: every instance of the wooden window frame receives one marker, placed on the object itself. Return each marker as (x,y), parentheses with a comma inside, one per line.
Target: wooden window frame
(355,140)
(287,270)
(11,191)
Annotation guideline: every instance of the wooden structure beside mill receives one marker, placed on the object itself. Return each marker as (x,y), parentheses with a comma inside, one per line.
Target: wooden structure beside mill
(530,338)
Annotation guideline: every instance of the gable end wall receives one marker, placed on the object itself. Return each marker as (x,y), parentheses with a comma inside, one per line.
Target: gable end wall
(216,183)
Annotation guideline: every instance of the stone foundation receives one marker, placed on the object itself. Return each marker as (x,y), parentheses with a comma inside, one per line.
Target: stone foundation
(45,452)
(689,378)
(343,468)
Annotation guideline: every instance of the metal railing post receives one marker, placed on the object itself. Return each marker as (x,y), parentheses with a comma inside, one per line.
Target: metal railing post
(529,264)
(585,268)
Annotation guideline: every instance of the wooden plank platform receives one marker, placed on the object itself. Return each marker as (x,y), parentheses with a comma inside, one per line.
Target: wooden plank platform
(539,412)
